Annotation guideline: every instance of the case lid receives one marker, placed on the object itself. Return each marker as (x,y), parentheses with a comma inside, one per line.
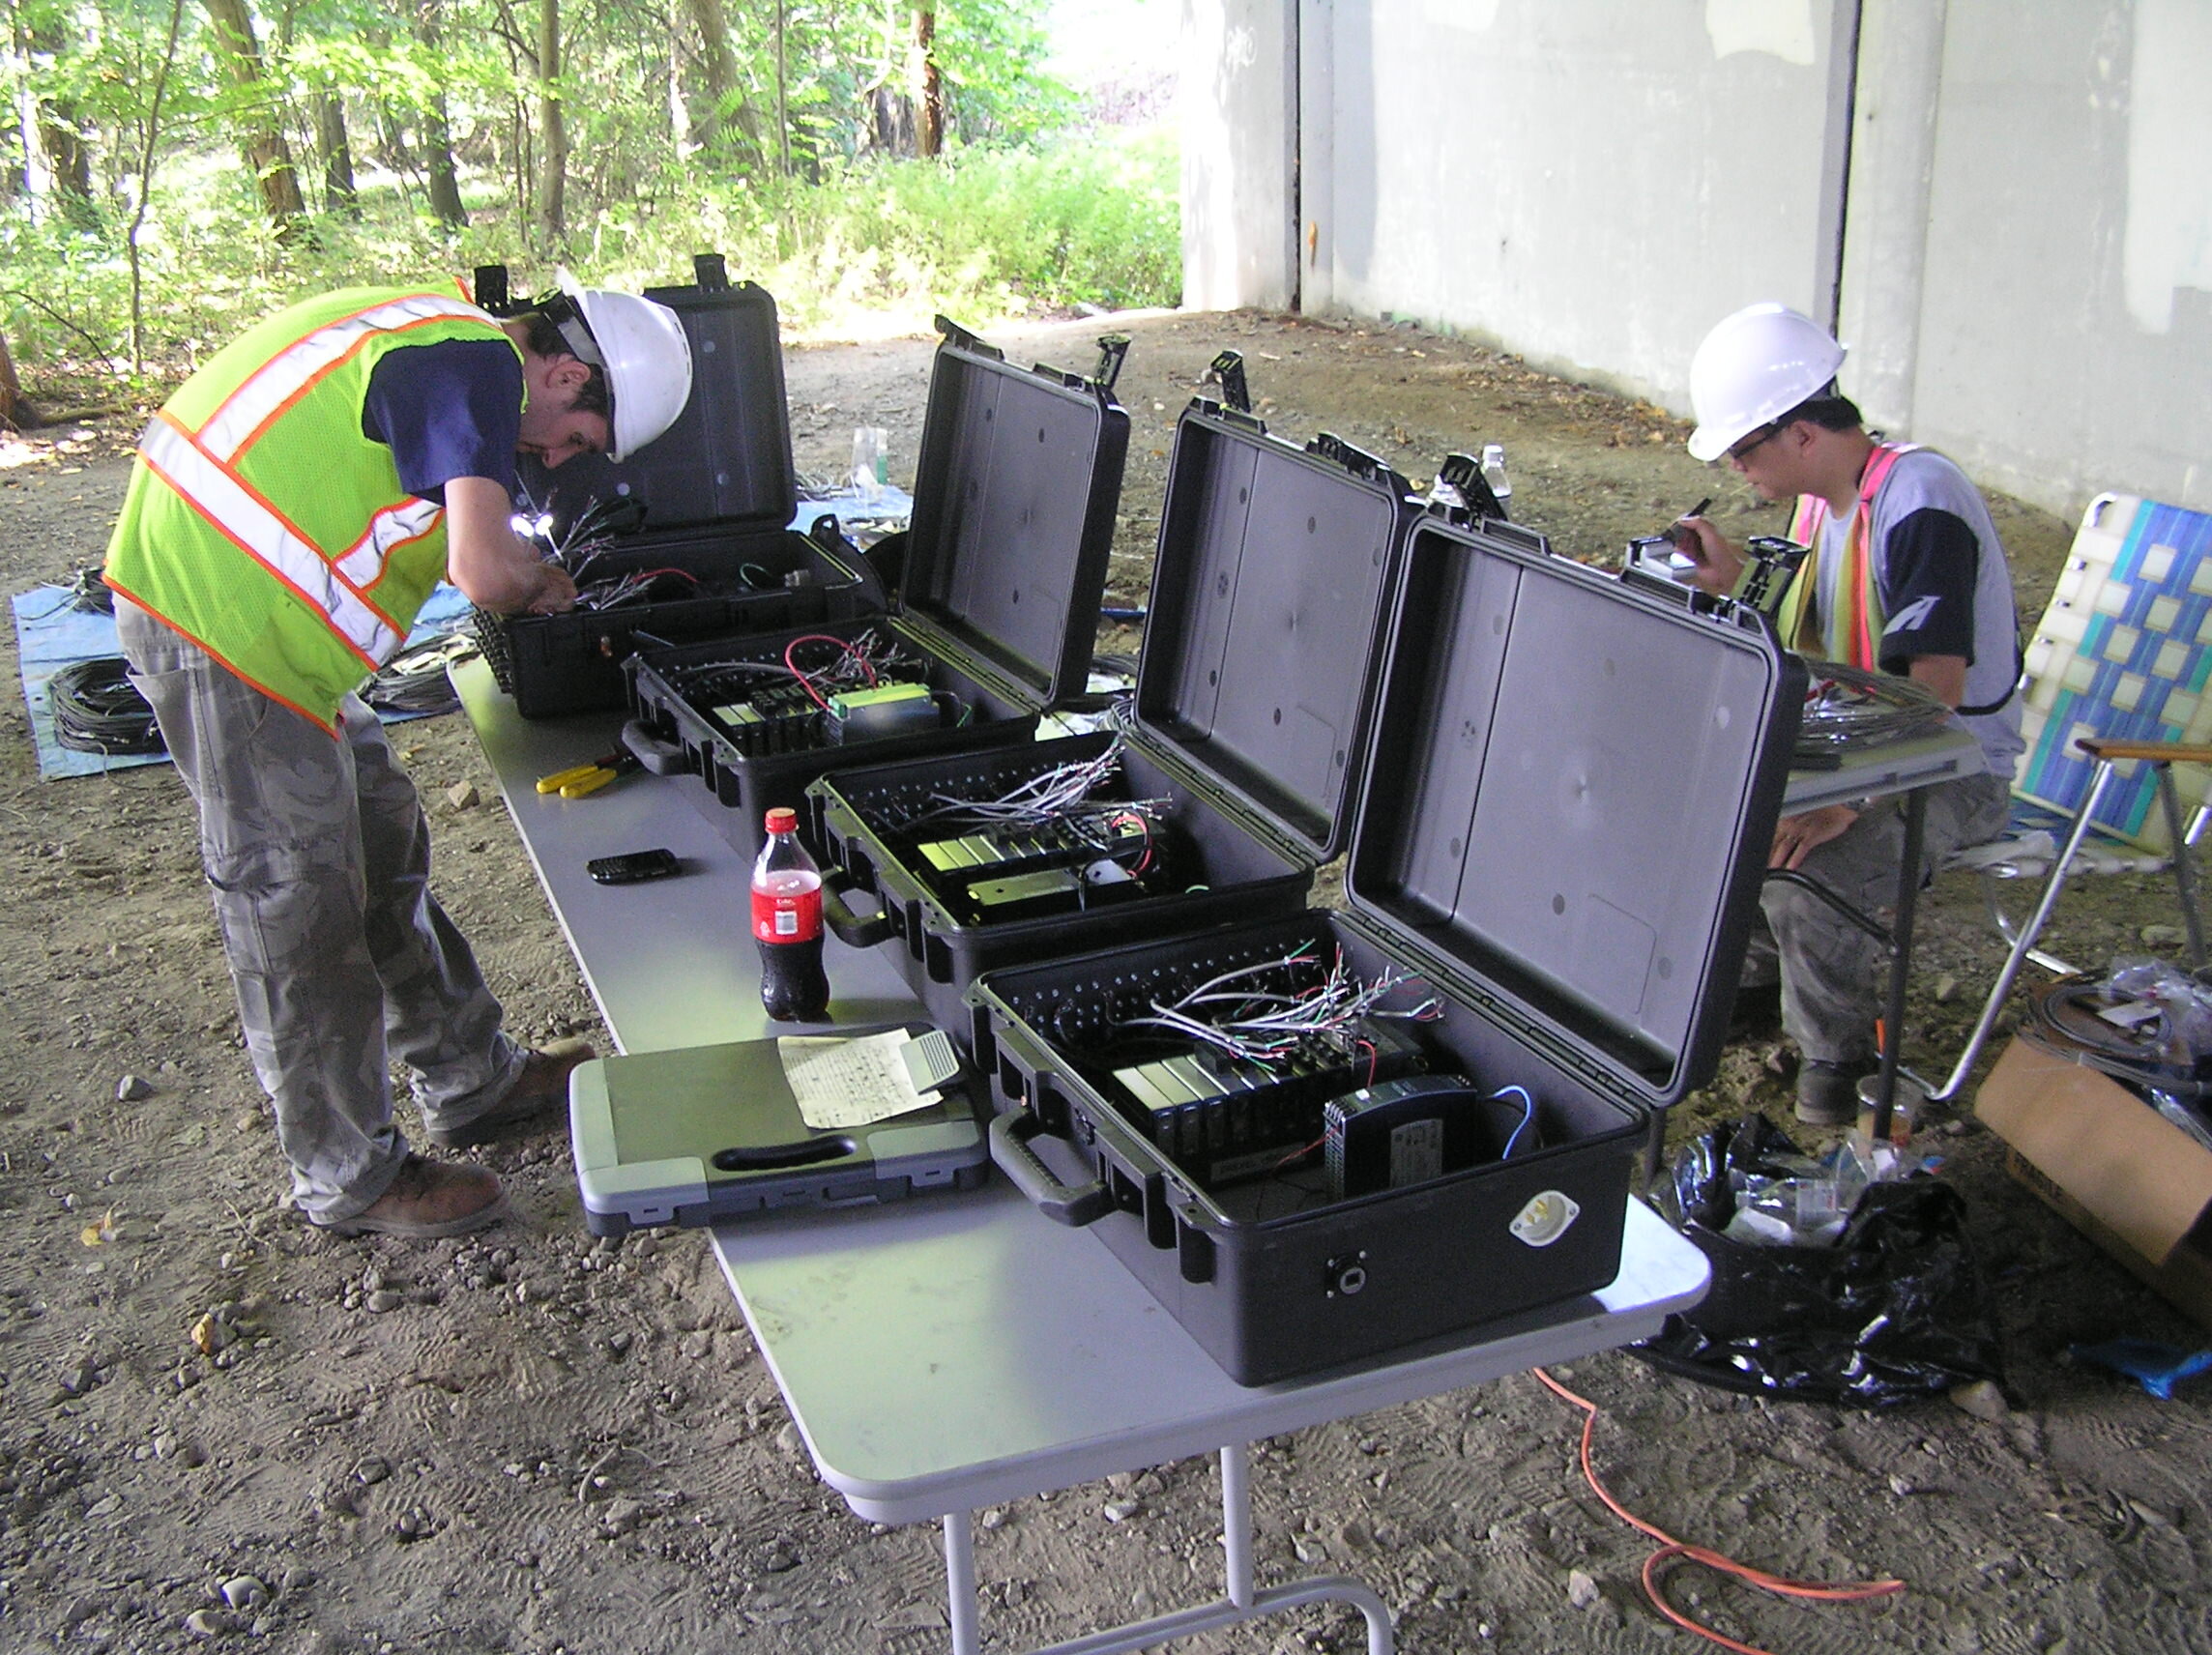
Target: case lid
(727,458)
(1267,612)
(1572,795)
(1014,494)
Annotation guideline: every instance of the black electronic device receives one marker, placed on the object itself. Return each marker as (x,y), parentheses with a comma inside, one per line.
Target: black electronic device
(994,617)
(1222,1118)
(634,867)
(1411,1130)
(1568,798)
(689,537)
(1268,606)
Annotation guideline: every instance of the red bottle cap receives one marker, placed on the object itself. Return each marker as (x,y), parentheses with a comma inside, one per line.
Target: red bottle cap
(782,820)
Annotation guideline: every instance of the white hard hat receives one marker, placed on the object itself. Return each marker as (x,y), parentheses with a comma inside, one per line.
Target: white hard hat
(641,345)
(1754,367)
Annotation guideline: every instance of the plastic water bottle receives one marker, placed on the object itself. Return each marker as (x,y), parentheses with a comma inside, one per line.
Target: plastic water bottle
(787,924)
(1494,474)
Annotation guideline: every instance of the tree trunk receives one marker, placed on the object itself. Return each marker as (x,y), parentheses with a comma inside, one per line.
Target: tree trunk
(553,134)
(60,139)
(339,195)
(10,392)
(261,129)
(442,176)
(782,87)
(929,112)
(728,116)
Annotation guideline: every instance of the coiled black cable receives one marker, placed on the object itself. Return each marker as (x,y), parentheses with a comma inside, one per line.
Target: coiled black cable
(97,709)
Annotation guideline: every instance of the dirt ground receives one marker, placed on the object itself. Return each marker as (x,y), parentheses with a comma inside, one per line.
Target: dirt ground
(531,1441)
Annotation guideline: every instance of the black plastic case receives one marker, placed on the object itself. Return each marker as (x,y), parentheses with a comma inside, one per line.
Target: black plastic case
(713,498)
(1268,605)
(1002,571)
(1563,829)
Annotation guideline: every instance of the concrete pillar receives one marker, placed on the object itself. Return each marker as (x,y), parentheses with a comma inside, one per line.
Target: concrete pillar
(1885,229)
(1238,107)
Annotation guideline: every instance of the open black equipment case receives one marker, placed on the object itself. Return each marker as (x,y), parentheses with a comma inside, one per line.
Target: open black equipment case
(711,500)
(1561,833)
(1268,610)
(1001,575)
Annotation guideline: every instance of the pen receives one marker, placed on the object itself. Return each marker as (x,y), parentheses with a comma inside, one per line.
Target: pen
(1674,533)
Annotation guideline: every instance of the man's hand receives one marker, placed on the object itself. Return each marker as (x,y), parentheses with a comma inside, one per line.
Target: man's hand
(1797,837)
(494,568)
(1719,562)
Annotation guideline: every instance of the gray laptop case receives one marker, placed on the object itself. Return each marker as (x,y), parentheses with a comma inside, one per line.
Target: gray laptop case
(714,1132)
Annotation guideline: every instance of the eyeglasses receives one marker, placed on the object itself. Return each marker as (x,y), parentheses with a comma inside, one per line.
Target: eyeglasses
(1752,444)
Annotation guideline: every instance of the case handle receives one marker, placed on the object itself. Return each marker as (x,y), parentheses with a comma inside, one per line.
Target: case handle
(1071,1205)
(1358,461)
(853,929)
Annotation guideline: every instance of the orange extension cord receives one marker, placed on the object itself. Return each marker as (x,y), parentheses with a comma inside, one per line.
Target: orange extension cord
(1671,1547)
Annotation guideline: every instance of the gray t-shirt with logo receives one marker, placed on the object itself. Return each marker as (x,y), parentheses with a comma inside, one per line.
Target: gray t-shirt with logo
(1946,589)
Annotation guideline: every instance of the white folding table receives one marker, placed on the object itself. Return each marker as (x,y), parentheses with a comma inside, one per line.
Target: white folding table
(954,1350)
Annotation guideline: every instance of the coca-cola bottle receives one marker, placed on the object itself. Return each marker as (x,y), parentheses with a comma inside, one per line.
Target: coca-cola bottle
(787,923)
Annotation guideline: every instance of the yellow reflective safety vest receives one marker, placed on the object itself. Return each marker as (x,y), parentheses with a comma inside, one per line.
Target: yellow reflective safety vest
(264,526)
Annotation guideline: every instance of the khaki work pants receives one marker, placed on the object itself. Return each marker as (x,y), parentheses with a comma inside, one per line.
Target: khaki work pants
(318,855)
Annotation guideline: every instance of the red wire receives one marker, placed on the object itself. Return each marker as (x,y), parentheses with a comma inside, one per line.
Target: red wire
(654,575)
(1672,1548)
(806,683)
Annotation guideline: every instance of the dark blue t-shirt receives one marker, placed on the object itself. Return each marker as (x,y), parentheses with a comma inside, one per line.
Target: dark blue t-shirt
(448,409)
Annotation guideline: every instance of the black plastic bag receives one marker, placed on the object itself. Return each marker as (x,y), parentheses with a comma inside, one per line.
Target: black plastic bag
(1894,1311)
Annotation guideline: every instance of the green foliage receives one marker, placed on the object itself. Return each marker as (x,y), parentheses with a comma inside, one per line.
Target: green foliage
(1016,216)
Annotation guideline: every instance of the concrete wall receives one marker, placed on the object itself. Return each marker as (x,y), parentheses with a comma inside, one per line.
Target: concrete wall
(1590,183)
(2064,309)
(2005,204)
(1238,105)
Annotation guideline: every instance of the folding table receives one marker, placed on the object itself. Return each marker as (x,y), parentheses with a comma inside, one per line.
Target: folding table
(951,1351)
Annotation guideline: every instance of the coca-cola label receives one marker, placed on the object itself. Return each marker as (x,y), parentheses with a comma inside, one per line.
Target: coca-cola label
(788,916)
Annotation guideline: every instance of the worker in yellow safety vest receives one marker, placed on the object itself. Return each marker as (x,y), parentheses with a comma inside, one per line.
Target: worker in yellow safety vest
(1905,574)
(291,508)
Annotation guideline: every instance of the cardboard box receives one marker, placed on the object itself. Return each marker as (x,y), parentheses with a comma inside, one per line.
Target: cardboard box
(2120,1171)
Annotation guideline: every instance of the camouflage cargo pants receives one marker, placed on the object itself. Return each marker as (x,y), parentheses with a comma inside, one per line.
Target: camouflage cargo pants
(318,856)
(1835,978)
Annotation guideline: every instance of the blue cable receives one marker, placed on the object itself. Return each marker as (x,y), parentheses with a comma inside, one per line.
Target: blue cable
(1527,1114)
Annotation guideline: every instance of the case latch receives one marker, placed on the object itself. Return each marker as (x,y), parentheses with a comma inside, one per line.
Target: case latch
(1771,563)
(1227,370)
(711,272)
(1358,461)
(492,294)
(1113,351)
(1461,494)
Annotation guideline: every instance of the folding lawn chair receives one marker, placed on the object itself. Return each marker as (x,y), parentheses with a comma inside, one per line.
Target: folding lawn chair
(2115,700)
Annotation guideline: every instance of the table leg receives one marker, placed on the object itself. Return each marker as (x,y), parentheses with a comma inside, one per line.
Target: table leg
(1900,960)
(960,1583)
(1236,1523)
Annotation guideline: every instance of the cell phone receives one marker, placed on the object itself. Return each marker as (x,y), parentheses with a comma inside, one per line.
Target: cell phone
(656,863)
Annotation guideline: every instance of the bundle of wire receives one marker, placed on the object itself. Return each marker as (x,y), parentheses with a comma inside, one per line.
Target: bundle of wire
(1848,707)
(864,661)
(636,587)
(2068,1018)
(1263,1013)
(97,709)
(415,681)
(1060,796)
(87,592)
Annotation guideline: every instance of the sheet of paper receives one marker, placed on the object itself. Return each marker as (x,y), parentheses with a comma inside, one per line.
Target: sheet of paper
(849,1081)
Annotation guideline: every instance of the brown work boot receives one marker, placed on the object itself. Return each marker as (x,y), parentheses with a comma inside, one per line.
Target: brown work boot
(542,1085)
(428,1200)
